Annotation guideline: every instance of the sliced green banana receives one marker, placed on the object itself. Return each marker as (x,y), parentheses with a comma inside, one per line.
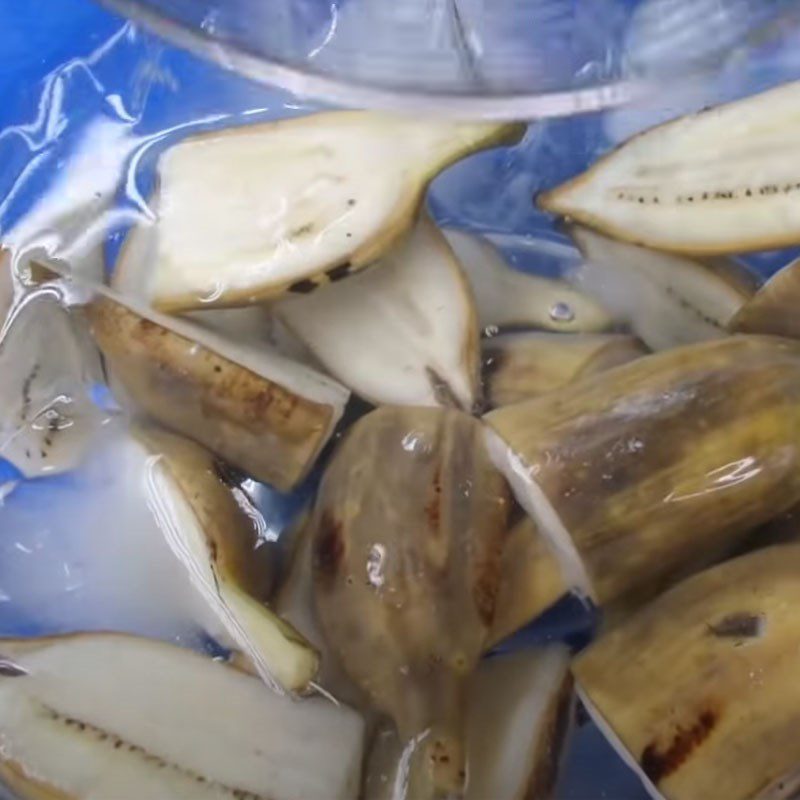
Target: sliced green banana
(725,180)
(667,300)
(699,689)
(263,413)
(520,366)
(408,530)
(220,544)
(93,716)
(404,332)
(48,365)
(664,462)
(509,298)
(250,213)
(775,309)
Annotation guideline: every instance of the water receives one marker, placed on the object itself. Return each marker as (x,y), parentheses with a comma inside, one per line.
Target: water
(89,105)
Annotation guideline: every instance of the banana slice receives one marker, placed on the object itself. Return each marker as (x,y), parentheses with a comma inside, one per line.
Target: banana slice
(667,300)
(667,461)
(520,707)
(724,180)
(408,530)
(264,414)
(507,297)
(774,309)
(219,541)
(699,690)
(93,716)
(518,716)
(48,365)
(404,332)
(249,213)
(519,366)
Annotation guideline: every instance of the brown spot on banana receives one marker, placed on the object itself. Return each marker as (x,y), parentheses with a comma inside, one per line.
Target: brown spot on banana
(741,625)
(660,762)
(329,548)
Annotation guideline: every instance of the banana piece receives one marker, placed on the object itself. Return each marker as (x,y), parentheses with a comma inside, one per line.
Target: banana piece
(261,412)
(531,580)
(215,534)
(667,461)
(720,181)
(667,300)
(102,715)
(774,309)
(48,365)
(509,298)
(408,530)
(519,709)
(699,689)
(402,332)
(249,213)
(519,366)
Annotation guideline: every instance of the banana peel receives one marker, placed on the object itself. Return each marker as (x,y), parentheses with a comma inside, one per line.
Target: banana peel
(774,309)
(408,531)
(698,689)
(666,461)
(520,366)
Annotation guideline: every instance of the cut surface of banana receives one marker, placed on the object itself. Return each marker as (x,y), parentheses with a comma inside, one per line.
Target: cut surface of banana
(249,213)
(95,716)
(724,180)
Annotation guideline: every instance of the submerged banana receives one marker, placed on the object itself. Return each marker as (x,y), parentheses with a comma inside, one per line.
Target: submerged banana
(403,332)
(663,462)
(249,213)
(216,533)
(101,715)
(724,180)
(519,366)
(519,707)
(408,530)
(775,309)
(509,298)
(666,299)
(699,689)
(261,412)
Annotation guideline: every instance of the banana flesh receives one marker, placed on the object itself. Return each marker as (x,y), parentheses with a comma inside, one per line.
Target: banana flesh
(725,180)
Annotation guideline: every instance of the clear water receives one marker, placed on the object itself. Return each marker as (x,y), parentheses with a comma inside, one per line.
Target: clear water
(89,102)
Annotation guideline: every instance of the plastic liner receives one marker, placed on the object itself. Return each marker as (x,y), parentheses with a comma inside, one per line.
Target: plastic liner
(83,125)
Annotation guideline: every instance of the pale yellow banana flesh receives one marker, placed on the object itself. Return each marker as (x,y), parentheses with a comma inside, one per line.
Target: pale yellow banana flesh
(725,180)
(217,538)
(521,366)
(403,332)
(249,213)
(664,462)
(111,715)
(775,309)
(700,687)
(666,299)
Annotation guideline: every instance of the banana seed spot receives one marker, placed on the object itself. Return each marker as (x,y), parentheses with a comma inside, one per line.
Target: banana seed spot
(659,763)
(740,625)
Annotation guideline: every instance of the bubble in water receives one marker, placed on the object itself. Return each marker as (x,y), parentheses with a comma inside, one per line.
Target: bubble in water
(562,312)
